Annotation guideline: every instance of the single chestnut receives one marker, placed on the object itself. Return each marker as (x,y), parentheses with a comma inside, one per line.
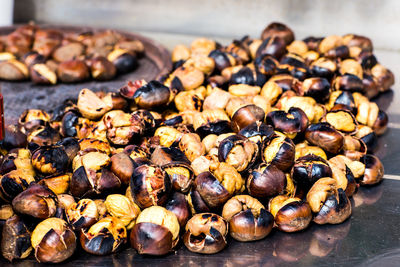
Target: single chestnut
(53,241)
(13,70)
(150,185)
(121,207)
(50,160)
(206,233)
(257,132)
(280,30)
(15,239)
(180,207)
(245,116)
(123,60)
(31,119)
(330,204)
(266,181)
(156,231)
(279,150)
(102,69)
(59,184)
(247,217)
(181,175)
(291,123)
(291,214)
(43,136)
(373,170)
(325,136)
(104,237)
(13,183)
(37,201)
(317,88)
(73,71)
(82,215)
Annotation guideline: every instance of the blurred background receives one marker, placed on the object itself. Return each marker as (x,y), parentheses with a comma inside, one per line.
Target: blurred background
(222,19)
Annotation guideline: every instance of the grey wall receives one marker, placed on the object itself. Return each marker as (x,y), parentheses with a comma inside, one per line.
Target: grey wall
(378,19)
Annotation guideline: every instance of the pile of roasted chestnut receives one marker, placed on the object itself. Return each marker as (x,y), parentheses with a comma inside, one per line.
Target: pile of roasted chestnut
(48,56)
(239,139)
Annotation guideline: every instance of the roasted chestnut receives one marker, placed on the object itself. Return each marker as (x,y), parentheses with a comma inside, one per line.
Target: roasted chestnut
(13,70)
(266,181)
(13,137)
(257,132)
(181,175)
(238,151)
(373,170)
(102,69)
(37,201)
(247,217)
(330,204)
(308,169)
(345,171)
(156,231)
(180,207)
(72,71)
(150,186)
(293,122)
(325,136)
(151,95)
(212,121)
(279,150)
(291,214)
(83,214)
(31,119)
(245,116)
(323,67)
(122,166)
(280,30)
(50,160)
(53,241)
(317,88)
(13,183)
(123,60)
(91,106)
(15,239)
(104,237)
(59,184)
(119,206)
(206,233)
(122,127)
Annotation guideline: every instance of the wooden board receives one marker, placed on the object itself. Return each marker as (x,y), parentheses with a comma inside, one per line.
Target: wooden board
(19,96)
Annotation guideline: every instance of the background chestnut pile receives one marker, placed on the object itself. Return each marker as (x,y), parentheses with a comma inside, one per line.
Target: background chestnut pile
(235,141)
(49,56)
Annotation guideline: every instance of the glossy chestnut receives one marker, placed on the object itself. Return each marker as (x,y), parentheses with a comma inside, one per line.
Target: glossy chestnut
(280,30)
(72,71)
(180,207)
(123,60)
(373,170)
(291,123)
(325,136)
(16,239)
(266,181)
(274,46)
(53,241)
(82,215)
(248,219)
(206,233)
(245,116)
(279,150)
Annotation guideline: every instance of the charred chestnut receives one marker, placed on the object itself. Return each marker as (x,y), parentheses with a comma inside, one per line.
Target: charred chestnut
(293,122)
(309,169)
(59,184)
(150,186)
(37,201)
(266,181)
(274,46)
(31,119)
(181,175)
(123,60)
(50,160)
(53,241)
(212,121)
(257,132)
(325,136)
(16,239)
(348,82)
(156,231)
(43,136)
(104,237)
(13,183)
(291,214)
(206,233)
(180,207)
(102,69)
(248,219)
(373,170)
(279,30)
(330,204)
(317,88)
(122,127)
(83,214)
(238,151)
(279,151)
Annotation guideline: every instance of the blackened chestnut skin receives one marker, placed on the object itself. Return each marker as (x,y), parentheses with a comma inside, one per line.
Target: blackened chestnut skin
(325,136)
(152,95)
(221,59)
(308,169)
(280,30)
(71,147)
(126,63)
(256,129)
(247,76)
(373,170)
(266,65)
(274,46)
(294,121)
(334,211)
(68,123)
(284,157)
(197,204)
(13,138)
(180,207)
(317,88)
(152,239)
(160,185)
(16,239)
(267,183)
(245,227)
(52,155)
(211,190)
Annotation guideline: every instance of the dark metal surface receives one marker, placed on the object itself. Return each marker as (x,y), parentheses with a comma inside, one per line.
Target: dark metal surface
(18,96)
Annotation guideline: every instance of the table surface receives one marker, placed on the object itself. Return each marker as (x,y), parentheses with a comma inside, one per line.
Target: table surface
(371,237)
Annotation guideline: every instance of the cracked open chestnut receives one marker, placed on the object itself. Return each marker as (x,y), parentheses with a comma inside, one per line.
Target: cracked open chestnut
(325,136)
(37,201)
(53,241)
(119,206)
(82,215)
(247,217)
(278,150)
(291,214)
(150,185)
(156,231)
(50,160)
(373,170)
(15,239)
(104,237)
(330,204)
(293,122)
(266,181)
